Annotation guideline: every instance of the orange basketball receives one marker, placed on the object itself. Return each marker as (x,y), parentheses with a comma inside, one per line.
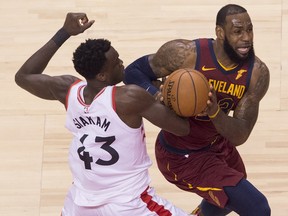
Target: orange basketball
(186,92)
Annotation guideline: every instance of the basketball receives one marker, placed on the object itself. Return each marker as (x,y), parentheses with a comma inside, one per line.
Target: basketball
(186,92)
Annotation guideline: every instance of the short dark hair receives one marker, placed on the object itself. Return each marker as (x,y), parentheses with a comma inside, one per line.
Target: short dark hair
(229,9)
(89,58)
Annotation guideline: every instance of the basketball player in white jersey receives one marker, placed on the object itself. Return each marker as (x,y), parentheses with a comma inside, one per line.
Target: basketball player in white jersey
(107,156)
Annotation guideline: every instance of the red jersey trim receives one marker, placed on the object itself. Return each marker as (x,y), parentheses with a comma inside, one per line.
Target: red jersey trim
(81,100)
(113,98)
(68,93)
(154,206)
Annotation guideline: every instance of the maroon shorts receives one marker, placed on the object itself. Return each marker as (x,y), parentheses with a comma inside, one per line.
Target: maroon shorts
(204,173)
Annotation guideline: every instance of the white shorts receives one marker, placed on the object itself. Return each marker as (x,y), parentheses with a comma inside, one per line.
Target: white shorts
(148,204)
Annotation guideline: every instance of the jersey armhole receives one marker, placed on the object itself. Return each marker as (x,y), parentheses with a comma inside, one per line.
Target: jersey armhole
(198,56)
(113,98)
(250,69)
(68,93)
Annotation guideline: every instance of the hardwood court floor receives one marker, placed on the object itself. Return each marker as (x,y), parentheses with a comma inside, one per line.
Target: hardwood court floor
(33,141)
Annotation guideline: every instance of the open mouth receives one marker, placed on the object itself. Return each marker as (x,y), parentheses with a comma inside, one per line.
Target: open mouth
(243,50)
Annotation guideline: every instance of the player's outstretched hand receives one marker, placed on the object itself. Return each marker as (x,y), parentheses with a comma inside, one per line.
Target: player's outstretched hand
(76,23)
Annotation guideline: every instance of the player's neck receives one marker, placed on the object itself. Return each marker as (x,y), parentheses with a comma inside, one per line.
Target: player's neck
(91,90)
(223,59)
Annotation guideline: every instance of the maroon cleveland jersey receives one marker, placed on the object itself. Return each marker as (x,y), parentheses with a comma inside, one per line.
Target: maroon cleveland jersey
(230,86)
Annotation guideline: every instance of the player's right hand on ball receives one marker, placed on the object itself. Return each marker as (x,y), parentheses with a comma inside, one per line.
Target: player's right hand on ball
(158,96)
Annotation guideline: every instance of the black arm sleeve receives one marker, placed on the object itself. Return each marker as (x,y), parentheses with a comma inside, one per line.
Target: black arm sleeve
(140,73)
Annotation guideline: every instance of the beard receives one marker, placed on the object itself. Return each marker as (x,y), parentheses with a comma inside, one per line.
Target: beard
(234,56)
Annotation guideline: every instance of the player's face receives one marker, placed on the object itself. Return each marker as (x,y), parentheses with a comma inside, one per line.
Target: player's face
(238,43)
(114,67)
(233,55)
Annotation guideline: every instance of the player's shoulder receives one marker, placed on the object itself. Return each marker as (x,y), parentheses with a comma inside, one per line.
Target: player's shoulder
(131,92)
(131,99)
(178,43)
(260,79)
(66,80)
(172,55)
(259,67)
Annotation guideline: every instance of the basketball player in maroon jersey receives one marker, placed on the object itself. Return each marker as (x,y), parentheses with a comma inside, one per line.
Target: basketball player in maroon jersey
(206,162)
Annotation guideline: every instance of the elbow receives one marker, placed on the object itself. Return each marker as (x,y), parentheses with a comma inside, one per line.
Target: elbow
(179,133)
(17,79)
(20,79)
(184,130)
(239,140)
(237,143)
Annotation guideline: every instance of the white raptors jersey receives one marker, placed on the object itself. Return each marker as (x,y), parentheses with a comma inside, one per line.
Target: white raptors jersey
(108,159)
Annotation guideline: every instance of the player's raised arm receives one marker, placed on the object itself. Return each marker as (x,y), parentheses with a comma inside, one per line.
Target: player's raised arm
(30,77)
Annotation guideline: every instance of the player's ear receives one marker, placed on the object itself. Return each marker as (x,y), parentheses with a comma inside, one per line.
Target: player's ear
(220,32)
(101,76)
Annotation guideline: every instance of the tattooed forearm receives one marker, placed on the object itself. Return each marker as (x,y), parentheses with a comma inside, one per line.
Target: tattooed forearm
(242,108)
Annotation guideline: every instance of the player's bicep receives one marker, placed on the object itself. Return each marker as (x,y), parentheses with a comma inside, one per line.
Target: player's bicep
(248,107)
(259,82)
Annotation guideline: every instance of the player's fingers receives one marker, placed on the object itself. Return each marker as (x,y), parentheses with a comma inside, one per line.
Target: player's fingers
(212,94)
(159,96)
(88,24)
(83,20)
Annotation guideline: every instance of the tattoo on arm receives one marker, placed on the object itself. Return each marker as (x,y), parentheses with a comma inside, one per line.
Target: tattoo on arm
(248,107)
(172,56)
(263,80)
